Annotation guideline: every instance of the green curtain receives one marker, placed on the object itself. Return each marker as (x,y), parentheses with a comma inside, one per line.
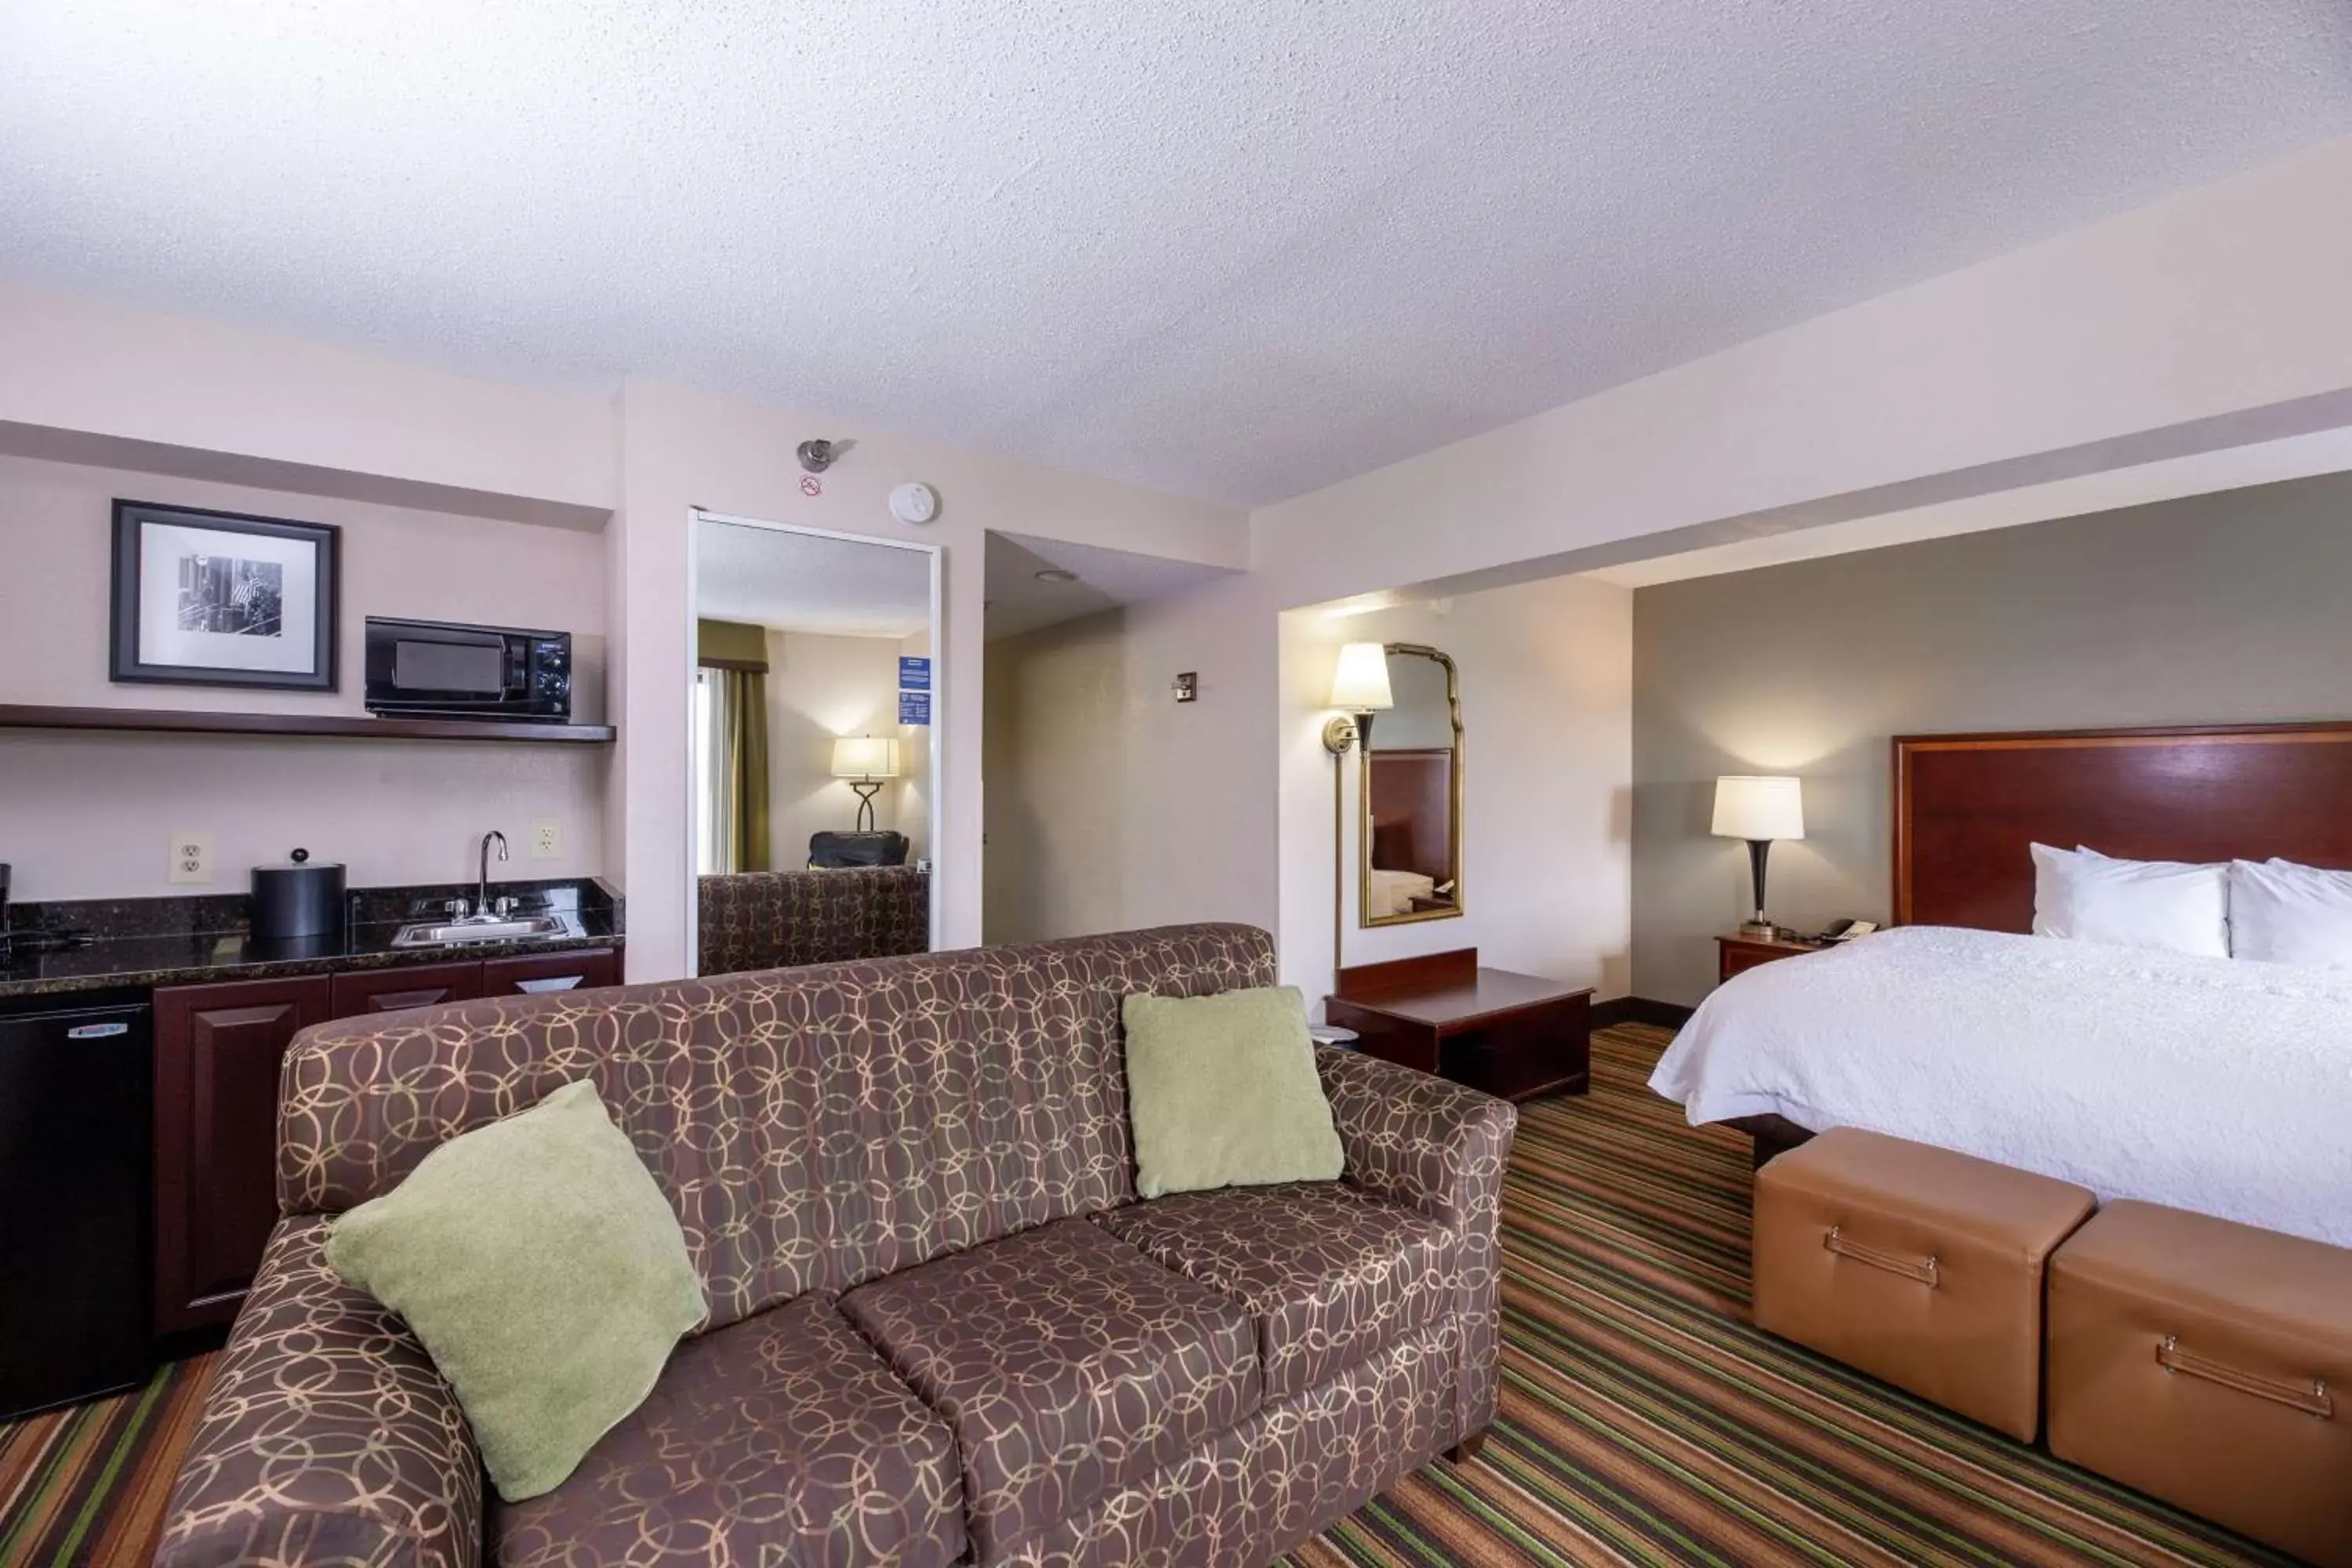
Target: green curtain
(743,754)
(730,645)
(734,659)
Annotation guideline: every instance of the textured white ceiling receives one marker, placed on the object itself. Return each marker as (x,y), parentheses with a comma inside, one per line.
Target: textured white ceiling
(1017,601)
(1232,248)
(804,582)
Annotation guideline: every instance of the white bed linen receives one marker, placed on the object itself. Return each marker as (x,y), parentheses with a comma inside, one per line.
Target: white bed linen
(2203,1083)
(2084,896)
(2280,913)
(1393,891)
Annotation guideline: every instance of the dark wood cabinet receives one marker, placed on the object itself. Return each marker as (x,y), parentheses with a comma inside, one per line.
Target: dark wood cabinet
(536,974)
(368,991)
(1736,953)
(1517,1036)
(217,1052)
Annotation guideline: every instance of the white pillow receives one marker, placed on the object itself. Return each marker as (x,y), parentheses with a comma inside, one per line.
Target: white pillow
(2280,913)
(2082,896)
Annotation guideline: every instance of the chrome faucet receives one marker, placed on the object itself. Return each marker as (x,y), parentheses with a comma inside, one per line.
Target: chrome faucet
(482,893)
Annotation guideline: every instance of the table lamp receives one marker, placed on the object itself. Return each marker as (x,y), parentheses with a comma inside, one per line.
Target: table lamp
(865,762)
(1759,810)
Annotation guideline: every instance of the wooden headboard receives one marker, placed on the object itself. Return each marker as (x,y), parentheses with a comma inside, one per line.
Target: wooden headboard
(1967,806)
(1412,811)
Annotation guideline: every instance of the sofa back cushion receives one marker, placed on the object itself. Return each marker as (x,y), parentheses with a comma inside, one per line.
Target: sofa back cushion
(814,1128)
(780,920)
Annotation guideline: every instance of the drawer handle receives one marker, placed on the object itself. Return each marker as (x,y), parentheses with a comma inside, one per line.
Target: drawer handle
(399,1001)
(1923,1270)
(2314,1401)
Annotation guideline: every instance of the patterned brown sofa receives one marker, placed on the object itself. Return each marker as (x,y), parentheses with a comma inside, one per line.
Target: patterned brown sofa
(782,920)
(942,1327)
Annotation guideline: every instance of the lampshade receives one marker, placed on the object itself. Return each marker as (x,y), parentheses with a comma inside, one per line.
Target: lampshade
(1750,807)
(864,757)
(1360,684)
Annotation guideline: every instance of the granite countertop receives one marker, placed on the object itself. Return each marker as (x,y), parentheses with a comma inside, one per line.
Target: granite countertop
(162,942)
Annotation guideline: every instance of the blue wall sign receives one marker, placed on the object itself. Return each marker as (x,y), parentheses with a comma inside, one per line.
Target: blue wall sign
(914,674)
(914,708)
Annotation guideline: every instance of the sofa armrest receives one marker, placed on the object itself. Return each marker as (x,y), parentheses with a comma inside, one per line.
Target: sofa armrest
(327,1435)
(1417,1139)
(1438,1147)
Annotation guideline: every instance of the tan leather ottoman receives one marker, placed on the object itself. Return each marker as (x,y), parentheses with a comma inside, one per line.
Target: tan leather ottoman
(2199,1360)
(1916,1265)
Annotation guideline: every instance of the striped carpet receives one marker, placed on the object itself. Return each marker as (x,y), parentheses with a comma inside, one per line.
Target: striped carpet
(1643,1421)
(88,1485)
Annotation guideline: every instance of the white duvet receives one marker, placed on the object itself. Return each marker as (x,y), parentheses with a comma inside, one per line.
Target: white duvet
(2211,1084)
(1392,892)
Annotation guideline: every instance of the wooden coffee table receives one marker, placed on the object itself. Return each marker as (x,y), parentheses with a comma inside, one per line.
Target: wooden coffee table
(1516,1035)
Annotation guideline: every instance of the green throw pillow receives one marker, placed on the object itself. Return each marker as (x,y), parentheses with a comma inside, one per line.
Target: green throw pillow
(1223,1092)
(545,1274)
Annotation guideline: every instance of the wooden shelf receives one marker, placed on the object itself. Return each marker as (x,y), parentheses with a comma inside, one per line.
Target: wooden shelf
(185,722)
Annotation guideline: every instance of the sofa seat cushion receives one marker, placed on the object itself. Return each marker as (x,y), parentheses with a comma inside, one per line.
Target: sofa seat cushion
(1331,1274)
(1068,1363)
(780,1440)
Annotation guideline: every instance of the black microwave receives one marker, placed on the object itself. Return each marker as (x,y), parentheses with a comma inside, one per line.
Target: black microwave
(436,669)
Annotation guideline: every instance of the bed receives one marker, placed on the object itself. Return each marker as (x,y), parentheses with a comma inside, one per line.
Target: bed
(1389,893)
(2212,1084)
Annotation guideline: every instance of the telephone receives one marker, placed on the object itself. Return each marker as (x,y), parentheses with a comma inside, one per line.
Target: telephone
(1846,931)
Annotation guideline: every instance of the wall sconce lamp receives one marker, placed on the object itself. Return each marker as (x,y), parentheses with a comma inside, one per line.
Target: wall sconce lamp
(866,763)
(1361,686)
(1759,810)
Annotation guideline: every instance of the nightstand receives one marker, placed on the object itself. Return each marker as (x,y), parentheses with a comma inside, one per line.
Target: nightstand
(1734,954)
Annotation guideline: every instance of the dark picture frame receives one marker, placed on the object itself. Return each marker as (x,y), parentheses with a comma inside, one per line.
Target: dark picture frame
(283,589)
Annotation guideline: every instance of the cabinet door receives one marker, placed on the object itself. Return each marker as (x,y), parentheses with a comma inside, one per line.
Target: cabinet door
(1739,957)
(542,971)
(217,1051)
(390,990)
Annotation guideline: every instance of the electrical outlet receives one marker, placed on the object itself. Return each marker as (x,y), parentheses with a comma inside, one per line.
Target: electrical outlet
(191,856)
(546,838)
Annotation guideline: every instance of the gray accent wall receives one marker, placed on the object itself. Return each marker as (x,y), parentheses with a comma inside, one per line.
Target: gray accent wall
(2234,607)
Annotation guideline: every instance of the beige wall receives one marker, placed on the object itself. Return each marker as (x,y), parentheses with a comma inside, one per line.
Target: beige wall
(1060,808)
(1547,716)
(2207,321)
(2215,609)
(87,815)
(1101,815)
(686,449)
(821,688)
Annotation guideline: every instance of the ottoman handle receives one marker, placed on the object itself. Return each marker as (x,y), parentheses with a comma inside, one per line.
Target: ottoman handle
(2313,1401)
(1923,1270)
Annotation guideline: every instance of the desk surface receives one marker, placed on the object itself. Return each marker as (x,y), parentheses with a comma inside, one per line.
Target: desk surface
(1482,994)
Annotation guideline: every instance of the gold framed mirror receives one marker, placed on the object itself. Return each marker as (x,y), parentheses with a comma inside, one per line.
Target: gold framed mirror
(1409,794)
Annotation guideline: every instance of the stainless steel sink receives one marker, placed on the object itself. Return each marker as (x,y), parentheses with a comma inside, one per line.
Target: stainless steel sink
(457,934)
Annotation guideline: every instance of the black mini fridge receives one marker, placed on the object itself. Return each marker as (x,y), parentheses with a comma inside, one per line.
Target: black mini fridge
(76,1154)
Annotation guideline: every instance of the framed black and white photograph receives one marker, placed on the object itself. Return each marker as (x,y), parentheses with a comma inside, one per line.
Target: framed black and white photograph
(216,598)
